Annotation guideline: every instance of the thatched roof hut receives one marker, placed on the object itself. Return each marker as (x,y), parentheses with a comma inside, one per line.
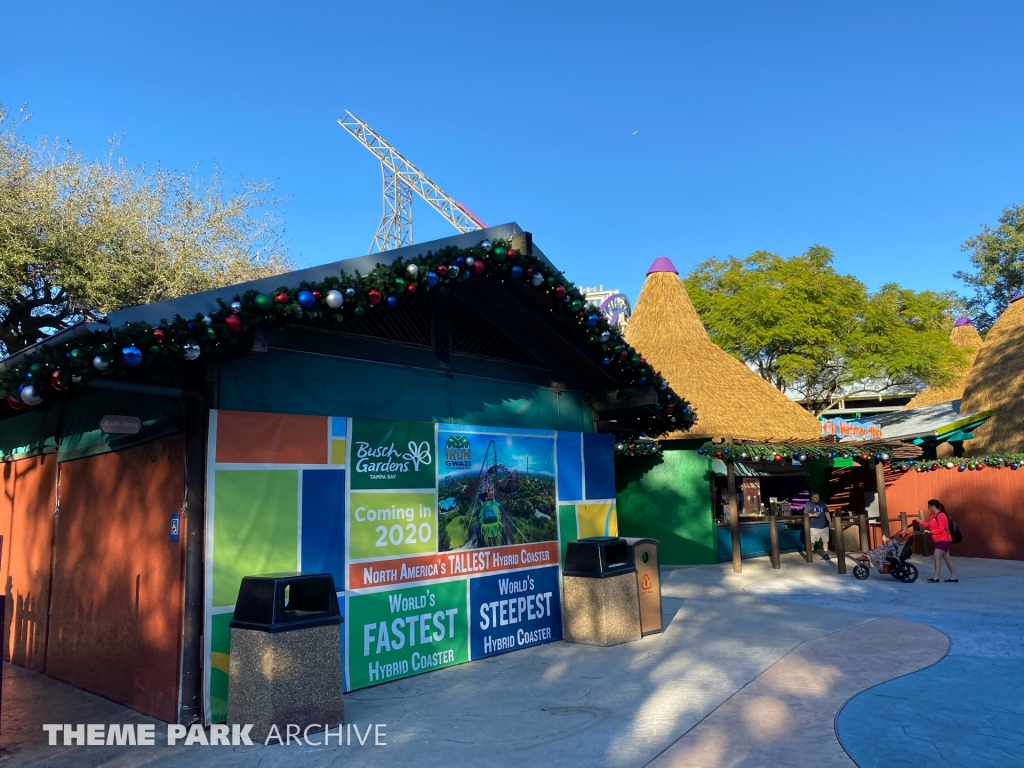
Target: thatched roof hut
(996,382)
(731,400)
(965,336)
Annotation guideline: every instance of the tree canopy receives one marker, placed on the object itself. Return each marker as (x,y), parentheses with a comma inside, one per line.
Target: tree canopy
(998,259)
(80,238)
(807,329)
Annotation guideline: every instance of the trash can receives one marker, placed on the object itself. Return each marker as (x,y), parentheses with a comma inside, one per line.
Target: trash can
(648,579)
(600,598)
(285,665)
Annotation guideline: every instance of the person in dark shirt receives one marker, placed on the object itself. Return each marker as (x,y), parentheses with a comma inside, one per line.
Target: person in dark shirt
(820,519)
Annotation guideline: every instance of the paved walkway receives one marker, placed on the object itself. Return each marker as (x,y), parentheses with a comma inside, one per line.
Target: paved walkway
(728,638)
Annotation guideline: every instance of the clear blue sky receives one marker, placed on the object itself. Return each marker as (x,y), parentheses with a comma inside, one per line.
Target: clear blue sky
(887,131)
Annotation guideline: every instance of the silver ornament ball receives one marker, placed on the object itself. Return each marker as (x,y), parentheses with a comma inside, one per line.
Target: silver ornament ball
(29,396)
(334,299)
(486,245)
(412,271)
(537,279)
(207,321)
(605,336)
(236,307)
(191,351)
(100,364)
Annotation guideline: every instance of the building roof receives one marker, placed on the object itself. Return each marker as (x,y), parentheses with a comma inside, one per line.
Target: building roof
(731,400)
(965,336)
(937,422)
(996,383)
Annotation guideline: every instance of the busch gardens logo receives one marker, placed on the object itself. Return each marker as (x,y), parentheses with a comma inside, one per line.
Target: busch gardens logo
(387,454)
(456,452)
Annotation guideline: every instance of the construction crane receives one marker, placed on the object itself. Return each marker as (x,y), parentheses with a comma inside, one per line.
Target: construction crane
(401,179)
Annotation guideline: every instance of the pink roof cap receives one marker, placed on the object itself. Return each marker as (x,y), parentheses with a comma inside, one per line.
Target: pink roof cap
(962,322)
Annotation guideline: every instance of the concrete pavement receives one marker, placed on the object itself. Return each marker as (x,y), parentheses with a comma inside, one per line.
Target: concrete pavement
(569,704)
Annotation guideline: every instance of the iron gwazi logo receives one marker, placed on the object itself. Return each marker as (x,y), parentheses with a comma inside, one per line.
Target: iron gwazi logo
(456,452)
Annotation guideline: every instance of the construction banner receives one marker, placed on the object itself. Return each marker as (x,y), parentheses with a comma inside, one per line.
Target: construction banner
(444,540)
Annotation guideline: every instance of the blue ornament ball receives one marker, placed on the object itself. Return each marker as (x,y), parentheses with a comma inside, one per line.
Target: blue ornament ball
(961,468)
(459,260)
(306,299)
(592,320)
(642,381)
(131,356)
(516,272)
(431,278)
(392,301)
(606,361)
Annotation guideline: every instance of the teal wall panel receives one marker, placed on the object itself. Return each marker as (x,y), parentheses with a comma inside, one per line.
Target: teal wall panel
(280,381)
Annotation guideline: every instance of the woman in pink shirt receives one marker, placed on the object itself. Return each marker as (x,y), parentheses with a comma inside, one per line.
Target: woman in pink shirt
(937,525)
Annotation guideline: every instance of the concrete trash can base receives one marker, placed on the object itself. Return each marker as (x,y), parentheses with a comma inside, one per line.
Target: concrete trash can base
(286,677)
(601,611)
(285,662)
(600,597)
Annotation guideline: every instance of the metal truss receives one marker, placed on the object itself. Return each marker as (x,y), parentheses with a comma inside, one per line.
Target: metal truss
(401,179)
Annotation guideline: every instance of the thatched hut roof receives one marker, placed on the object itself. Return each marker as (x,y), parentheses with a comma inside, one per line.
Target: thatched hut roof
(966,337)
(731,400)
(996,382)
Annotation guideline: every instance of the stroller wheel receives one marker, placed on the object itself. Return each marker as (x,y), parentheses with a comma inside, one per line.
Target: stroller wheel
(860,572)
(910,575)
(899,572)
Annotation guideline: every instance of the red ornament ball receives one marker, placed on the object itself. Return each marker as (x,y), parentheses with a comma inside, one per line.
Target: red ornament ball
(623,355)
(670,407)
(281,298)
(15,403)
(373,296)
(560,291)
(511,254)
(159,334)
(411,288)
(234,323)
(442,270)
(316,295)
(529,272)
(56,383)
(478,267)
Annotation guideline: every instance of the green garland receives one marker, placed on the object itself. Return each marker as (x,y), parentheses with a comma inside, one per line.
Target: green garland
(51,370)
(963,464)
(778,453)
(640,447)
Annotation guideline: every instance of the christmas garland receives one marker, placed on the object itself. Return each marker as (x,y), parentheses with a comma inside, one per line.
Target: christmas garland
(778,453)
(135,347)
(641,447)
(963,464)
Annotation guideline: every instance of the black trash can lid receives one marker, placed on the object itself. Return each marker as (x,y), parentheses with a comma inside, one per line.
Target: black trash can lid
(283,602)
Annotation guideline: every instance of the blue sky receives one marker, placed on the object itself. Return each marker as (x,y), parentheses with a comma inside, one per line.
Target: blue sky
(887,131)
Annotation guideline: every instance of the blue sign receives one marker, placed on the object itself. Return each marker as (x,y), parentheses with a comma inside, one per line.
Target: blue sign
(514,610)
(175,527)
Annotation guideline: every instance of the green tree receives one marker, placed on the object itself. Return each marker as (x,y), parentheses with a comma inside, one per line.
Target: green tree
(998,259)
(80,238)
(807,329)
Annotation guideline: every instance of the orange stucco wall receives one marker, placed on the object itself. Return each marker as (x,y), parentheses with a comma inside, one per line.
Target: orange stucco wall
(115,623)
(26,523)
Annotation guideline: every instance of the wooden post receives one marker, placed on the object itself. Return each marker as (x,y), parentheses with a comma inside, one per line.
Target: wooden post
(808,546)
(734,516)
(883,506)
(903,521)
(773,535)
(837,533)
(862,524)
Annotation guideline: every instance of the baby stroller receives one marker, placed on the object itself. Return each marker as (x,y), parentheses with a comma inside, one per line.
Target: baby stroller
(889,558)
